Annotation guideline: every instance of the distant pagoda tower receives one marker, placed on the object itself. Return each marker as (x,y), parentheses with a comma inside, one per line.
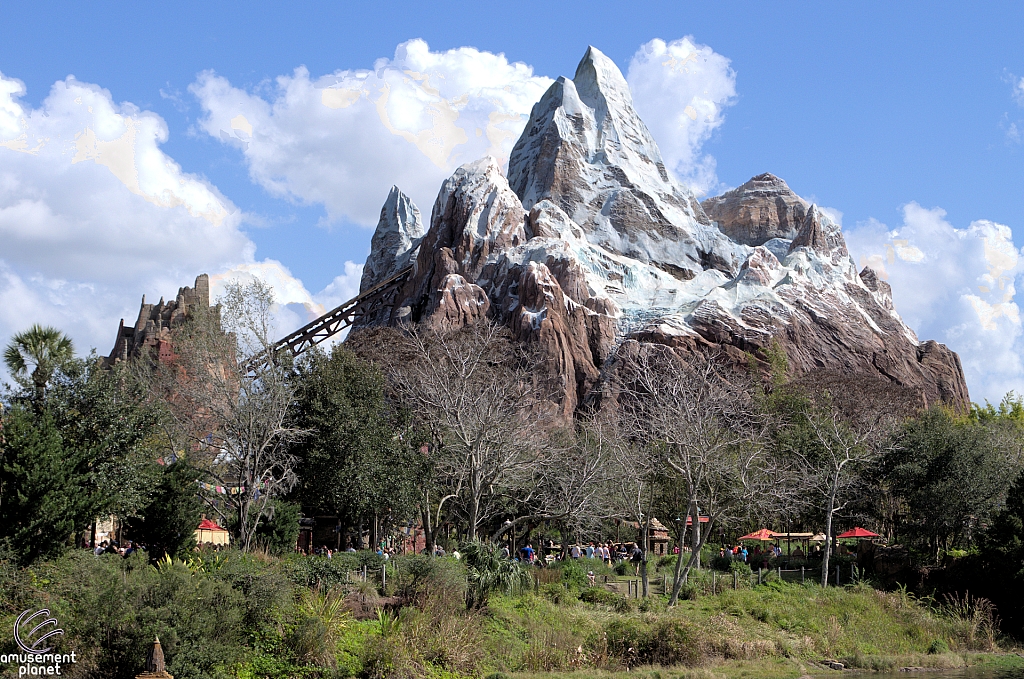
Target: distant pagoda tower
(155,668)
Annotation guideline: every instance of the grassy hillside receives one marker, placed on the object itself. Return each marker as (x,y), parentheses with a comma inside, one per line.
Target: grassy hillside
(246,616)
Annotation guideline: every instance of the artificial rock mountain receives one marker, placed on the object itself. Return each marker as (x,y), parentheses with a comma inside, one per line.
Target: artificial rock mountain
(591,249)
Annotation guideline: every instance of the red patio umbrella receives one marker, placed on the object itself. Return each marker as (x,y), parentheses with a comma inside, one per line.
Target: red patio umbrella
(857,532)
(764,535)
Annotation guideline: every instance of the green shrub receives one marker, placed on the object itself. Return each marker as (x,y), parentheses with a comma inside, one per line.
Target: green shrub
(487,571)
(573,576)
(555,593)
(740,567)
(938,646)
(278,534)
(600,595)
(621,568)
(431,583)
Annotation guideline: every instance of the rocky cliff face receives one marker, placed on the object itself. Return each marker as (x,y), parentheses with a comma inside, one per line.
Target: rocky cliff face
(591,246)
(152,331)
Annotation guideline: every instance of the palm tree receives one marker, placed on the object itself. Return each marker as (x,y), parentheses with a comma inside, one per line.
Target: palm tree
(43,349)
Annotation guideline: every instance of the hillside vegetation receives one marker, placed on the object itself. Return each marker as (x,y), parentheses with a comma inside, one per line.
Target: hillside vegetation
(240,615)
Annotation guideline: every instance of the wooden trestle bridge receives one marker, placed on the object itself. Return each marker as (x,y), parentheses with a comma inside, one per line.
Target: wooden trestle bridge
(334,321)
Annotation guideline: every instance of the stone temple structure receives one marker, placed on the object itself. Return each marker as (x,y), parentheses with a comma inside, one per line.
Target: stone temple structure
(156,323)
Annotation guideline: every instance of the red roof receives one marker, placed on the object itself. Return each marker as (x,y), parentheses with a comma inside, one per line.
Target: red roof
(207,524)
(702,519)
(858,532)
(763,534)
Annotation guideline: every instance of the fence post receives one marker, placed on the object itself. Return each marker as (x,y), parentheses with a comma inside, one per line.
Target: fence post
(759,569)
(853,572)
(735,579)
(714,582)
(801,575)
(364,573)
(383,576)
(837,575)
(780,573)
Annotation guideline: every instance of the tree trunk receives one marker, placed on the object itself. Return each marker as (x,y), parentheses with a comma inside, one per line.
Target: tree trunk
(471,528)
(677,574)
(428,530)
(646,544)
(696,533)
(828,536)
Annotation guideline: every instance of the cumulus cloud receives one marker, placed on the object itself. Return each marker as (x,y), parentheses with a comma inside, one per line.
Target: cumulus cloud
(956,286)
(1018,90)
(343,139)
(93,214)
(681,90)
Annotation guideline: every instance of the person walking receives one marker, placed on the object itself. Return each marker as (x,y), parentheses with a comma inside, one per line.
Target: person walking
(637,557)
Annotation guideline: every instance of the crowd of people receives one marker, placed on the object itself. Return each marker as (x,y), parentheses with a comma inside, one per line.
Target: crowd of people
(113,547)
(608,553)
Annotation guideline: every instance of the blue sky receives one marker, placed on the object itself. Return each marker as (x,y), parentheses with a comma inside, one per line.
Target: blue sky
(884,114)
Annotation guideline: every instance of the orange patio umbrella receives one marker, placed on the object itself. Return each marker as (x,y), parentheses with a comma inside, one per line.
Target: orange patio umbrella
(857,532)
(763,535)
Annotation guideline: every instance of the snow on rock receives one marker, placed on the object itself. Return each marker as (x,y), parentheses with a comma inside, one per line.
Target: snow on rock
(395,241)
(586,150)
(590,246)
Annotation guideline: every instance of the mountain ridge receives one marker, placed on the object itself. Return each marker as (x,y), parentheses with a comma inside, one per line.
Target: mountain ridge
(590,244)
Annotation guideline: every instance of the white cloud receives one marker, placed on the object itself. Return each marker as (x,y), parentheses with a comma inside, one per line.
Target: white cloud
(294,306)
(1018,90)
(681,89)
(343,139)
(93,214)
(342,288)
(956,286)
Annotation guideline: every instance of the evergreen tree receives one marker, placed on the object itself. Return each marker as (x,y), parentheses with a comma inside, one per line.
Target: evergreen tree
(40,506)
(167,524)
(353,463)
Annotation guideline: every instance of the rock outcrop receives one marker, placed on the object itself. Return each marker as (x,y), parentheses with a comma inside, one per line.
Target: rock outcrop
(591,247)
(763,209)
(395,241)
(151,334)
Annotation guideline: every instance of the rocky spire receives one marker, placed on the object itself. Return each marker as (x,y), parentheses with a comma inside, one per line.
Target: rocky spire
(396,240)
(586,150)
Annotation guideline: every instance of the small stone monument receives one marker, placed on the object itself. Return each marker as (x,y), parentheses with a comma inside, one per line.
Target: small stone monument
(155,668)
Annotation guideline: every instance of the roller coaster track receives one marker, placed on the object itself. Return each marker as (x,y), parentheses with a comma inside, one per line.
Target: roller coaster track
(334,321)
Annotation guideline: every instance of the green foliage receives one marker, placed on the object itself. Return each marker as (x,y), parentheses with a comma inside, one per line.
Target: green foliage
(488,571)
(599,595)
(321,621)
(279,532)
(778,363)
(1010,409)
(43,349)
(352,463)
(77,454)
(1006,534)
(319,571)
(950,472)
(574,578)
(432,583)
(740,567)
(166,525)
(938,646)
(40,506)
